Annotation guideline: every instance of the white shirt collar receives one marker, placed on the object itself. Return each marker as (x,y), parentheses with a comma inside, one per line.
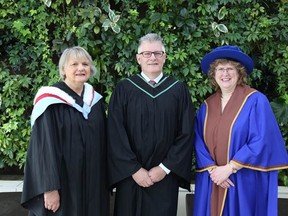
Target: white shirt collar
(157,79)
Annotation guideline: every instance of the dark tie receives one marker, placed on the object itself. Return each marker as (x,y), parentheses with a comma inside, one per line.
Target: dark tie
(152,82)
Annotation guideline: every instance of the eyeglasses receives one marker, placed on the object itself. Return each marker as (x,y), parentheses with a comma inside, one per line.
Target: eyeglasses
(222,70)
(148,54)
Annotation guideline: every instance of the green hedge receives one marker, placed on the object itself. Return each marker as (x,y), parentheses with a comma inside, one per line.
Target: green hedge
(33,34)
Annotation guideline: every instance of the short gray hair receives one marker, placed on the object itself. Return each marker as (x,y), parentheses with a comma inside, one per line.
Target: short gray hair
(78,52)
(151,37)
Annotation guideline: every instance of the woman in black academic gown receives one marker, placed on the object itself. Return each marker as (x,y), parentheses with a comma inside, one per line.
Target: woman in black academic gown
(65,171)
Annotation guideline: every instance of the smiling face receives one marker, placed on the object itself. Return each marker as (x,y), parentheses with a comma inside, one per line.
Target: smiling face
(77,70)
(151,66)
(226,76)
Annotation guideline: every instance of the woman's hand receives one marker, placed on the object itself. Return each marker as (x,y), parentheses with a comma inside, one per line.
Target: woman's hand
(52,200)
(226,184)
(220,176)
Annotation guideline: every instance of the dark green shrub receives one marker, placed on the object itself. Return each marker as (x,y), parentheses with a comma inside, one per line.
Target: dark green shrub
(32,36)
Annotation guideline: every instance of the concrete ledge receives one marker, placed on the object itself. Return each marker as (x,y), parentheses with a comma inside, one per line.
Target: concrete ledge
(282,192)
(11,186)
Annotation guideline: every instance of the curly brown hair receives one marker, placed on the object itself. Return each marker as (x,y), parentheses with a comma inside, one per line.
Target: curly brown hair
(239,68)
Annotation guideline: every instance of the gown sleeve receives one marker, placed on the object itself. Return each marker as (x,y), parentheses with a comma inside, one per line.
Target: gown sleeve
(265,147)
(122,161)
(42,162)
(179,156)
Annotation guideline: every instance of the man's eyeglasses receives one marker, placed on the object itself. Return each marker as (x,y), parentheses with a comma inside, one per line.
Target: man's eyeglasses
(148,54)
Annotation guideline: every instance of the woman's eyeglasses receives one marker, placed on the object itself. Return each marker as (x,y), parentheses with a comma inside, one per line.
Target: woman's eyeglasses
(222,70)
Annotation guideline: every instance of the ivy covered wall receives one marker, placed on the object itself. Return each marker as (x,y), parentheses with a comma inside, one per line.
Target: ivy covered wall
(34,33)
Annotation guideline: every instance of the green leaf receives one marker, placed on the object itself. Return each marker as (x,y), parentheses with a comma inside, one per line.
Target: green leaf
(191,23)
(155,17)
(221,13)
(183,12)
(47,3)
(18,25)
(179,23)
(106,24)
(217,34)
(111,14)
(116,18)
(280,109)
(222,28)
(96,29)
(68,36)
(115,28)
(214,26)
(165,17)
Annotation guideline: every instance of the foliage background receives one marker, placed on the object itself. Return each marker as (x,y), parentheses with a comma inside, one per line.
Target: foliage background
(34,33)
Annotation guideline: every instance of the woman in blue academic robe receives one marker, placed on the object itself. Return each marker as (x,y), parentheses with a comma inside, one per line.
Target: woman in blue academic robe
(238,143)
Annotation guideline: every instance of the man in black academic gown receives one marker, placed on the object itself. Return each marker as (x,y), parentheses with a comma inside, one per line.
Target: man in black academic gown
(150,133)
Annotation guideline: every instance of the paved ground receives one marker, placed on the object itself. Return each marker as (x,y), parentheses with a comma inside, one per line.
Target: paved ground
(10,204)
(10,195)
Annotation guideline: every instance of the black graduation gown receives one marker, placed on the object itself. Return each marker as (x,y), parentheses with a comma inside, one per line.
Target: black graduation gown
(67,153)
(149,125)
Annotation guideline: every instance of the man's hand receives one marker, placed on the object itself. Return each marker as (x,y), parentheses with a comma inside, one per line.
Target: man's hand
(156,174)
(142,178)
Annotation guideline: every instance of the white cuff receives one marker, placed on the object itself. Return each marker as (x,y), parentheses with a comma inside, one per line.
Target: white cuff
(167,171)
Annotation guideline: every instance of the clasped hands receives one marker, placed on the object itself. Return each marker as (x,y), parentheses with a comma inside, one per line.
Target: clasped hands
(145,178)
(220,176)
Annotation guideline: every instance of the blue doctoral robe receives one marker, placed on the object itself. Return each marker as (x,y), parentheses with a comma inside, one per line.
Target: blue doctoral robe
(255,143)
